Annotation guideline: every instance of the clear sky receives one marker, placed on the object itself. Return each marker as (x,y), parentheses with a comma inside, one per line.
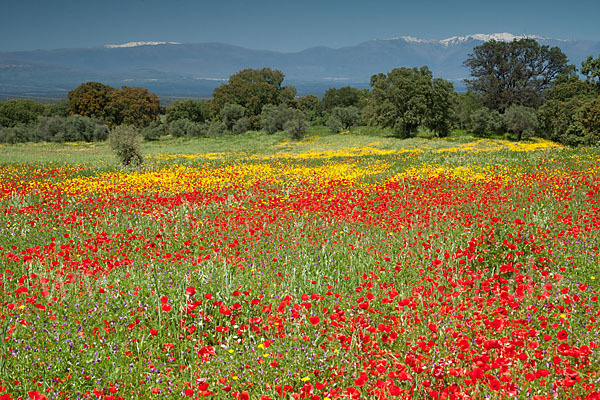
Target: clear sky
(284,25)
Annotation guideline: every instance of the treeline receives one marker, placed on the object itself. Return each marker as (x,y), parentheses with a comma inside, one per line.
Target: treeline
(520,87)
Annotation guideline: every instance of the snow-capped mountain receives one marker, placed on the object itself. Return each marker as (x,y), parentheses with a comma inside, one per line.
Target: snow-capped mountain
(136,44)
(196,69)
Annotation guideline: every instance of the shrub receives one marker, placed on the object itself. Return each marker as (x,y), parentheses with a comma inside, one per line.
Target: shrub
(153,131)
(126,144)
(521,120)
(231,113)
(485,120)
(295,126)
(186,128)
(242,125)
(273,118)
(216,128)
(588,117)
(343,118)
(49,128)
(334,124)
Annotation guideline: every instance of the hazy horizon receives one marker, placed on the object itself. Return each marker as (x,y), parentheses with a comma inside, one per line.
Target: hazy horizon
(284,26)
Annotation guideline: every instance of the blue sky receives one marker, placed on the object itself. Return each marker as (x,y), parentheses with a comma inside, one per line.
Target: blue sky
(282,24)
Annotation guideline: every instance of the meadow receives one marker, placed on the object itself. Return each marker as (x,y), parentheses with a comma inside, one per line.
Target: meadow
(346,266)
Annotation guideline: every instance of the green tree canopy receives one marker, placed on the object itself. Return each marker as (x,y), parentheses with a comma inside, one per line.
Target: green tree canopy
(192,110)
(19,111)
(252,89)
(516,72)
(344,97)
(591,68)
(406,98)
(521,120)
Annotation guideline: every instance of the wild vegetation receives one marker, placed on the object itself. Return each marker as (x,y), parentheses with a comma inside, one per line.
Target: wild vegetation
(521,87)
(272,247)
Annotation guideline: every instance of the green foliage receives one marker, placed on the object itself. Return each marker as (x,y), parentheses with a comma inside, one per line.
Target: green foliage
(295,126)
(186,128)
(521,120)
(588,117)
(591,68)
(242,125)
(343,118)
(252,89)
(192,110)
(216,128)
(19,111)
(485,121)
(569,114)
(60,109)
(273,118)
(230,114)
(154,131)
(516,72)
(407,98)
(344,97)
(311,106)
(18,134)
(440,114)
(126,143)
(466,104)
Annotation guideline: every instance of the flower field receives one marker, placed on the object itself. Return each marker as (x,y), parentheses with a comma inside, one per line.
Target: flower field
(362,273)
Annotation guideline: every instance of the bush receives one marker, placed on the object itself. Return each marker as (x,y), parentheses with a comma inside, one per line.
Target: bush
(153,131)
(295,126)
(186,128)
(216,128)
(521,120)
(49,128)
(588,117)
(231,113)
(273,118)
(242,125)
(126,143)
(485,120)
(343,118)
(334,124)
(20,133)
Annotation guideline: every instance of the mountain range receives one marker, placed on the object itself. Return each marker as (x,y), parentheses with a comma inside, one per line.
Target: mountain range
(194,70)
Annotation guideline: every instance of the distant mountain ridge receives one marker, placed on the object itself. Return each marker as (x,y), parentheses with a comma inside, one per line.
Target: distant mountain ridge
(172,68)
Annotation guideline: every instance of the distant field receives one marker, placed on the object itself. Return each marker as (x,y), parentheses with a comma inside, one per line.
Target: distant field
(343,266)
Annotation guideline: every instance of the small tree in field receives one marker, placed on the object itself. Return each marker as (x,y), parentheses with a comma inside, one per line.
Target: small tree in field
(521,120)
(126,143)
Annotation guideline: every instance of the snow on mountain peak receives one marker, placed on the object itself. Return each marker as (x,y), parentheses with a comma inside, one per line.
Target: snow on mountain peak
(136,44)
(501,37)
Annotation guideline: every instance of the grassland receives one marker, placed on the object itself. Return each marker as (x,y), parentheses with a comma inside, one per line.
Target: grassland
(353,265)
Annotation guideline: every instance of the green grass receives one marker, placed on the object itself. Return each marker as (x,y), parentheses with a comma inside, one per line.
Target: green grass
(317,139)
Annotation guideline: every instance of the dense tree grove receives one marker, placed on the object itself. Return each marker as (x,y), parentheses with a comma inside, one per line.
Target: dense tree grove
(518,89)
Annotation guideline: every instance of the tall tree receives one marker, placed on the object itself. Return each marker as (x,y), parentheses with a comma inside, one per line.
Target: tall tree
(406,98)
(516,72)
(591,68)
(90,99)
(252,89)
(133,106)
